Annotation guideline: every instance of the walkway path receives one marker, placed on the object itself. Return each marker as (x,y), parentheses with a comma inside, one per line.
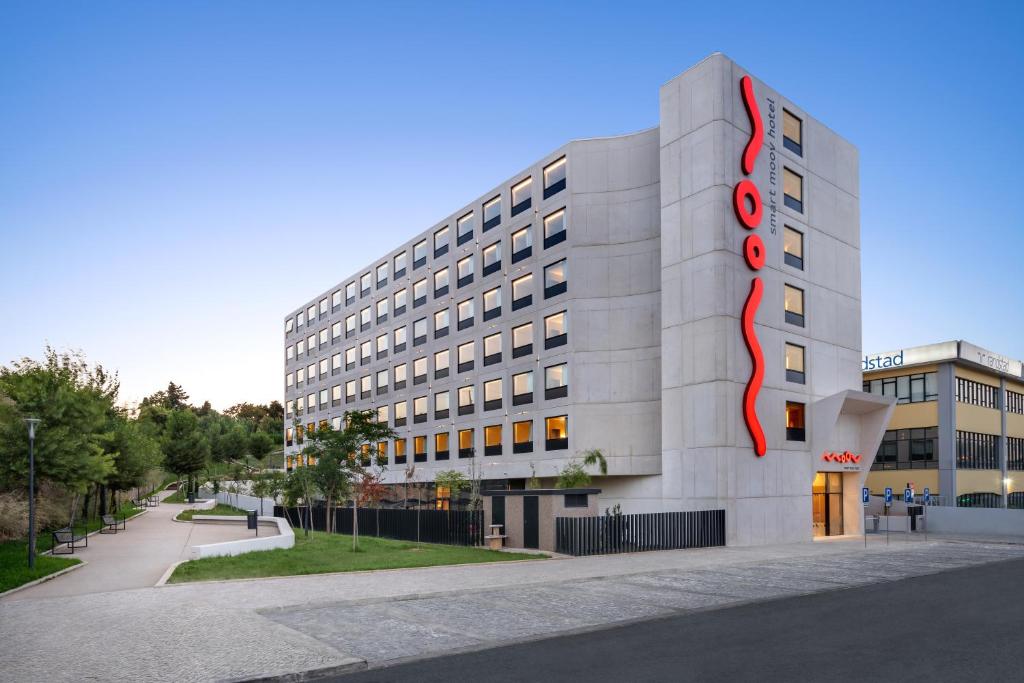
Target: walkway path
(136,557)
(268,627)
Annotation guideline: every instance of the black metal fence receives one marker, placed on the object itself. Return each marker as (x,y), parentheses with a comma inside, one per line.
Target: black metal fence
(457,527)
(638,533)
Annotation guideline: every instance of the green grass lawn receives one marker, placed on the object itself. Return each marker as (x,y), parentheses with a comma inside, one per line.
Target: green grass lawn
(176,497)
(221,509)
(322,553)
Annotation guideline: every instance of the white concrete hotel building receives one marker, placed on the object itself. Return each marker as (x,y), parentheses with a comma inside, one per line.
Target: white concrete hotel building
(595,300)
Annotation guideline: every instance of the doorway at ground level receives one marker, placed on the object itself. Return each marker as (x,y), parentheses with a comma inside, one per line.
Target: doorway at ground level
(827,503)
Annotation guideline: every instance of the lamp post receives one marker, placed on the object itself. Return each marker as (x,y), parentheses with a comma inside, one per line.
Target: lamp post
(32,422)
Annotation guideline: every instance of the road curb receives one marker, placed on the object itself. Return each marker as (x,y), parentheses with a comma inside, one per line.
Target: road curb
(81,563)
(354,664)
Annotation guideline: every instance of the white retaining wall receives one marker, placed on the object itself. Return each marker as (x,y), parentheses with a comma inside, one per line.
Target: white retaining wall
(988,521)
(244,501)
(285,537)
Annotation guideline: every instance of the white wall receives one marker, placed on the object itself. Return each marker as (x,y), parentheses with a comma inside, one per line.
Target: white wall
(991,521)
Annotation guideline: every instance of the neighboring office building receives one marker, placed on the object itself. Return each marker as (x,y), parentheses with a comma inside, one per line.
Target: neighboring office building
(958,426)
(595,300)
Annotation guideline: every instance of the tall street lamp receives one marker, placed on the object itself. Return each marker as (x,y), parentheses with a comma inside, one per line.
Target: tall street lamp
(32,422)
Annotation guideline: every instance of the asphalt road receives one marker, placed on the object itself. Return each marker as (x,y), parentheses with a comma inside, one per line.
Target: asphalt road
(965,624)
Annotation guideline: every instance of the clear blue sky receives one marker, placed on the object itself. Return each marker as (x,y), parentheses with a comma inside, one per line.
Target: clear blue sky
(174,177)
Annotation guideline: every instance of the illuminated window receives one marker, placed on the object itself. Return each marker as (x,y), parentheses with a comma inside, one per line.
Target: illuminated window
(323,398)
(441,323)
(419,332)
(311,372)
(492,440)
(794,304)
(350,292)
(793,189)
(492,394)
(400,413)
(419,409)
(382,345)
(556,433)
(364,284)
(382,310)
(465,271)
(300,318)
(521,196)
(522,292)
(399,451)
(288,437)
(350,391)
(492,259)
(441,361)
(522,244)
(419,453)
(323,366)
(300,375)
(311,344)
(350,357)
(311,314)
(465,356)
(289,408)
(464,228)
(336,395)
(419,293)
(364,318)
(300,347)
(466,400)
(419,254)
(324,306)
(365,386)
(522,436)
(555,279)
(554,178)
(441,282)
(382,275)
(382,414)
(400,301)
(465,443)
(419,371)
(465,314)
(555,330)
(492,303)
(289,352)
(311,402)
(289,379)
(441,405)
(336,331)
(492,213)
(794,421)
(554,229)
(336,364)
(400,372)
(289,325)
(794,363)
(400,334)
(350,325)
(365,352)
(792,133)
(441,446)
(793,247)
(382,381)
(556,381)
(522,388)
(522,340)
(300,405)
(324,335)
(441,242)
(400,260)
(492,349)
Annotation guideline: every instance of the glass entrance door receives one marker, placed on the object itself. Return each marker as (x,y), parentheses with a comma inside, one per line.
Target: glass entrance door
(827,504)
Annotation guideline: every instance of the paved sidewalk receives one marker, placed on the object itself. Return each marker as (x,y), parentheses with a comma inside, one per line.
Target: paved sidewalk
(136,557)
(244,629)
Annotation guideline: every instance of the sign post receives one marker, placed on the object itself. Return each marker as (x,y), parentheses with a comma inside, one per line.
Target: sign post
(908,499)
(865,496)
(927,500)
(888,502)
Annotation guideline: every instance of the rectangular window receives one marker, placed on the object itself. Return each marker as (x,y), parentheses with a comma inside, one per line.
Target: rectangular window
(336,300)
(350,357)
(522,436)
(466,356)
(556,433)
(466,400)
(465,443)
(364,284)
(419,450)
(465,271)
(793,247)
(522,292)
(522,244)
(491,259)
(300,347)
(419,293)
(289,325)
(464,228)
(336,395)
(441,323)
(554,178)
(289,352)
(522,388)
(492,213)
(350,293)
(288,437)
(350,391)
(324,336)
(336,331)
(400,413)
(555,330)
(401,298)
(419,332)
(793,189)
(440,283)
(289,408)
(522,340)
(794,303)
(441,405)
(311,314)
(365,386)
(419,371)
(465,313)
(492,440)
(311,402)
(419,409)
(289,379)
(350,325)
(795,363)
(400,375)
(521,196)
(441,362)
(976,451)
(441,446)
(382,310)
(336,364)
(400,339)
(400,263)
(300,318)
(300,405)
(382,381)
(324,306)
(382,275)
(554,228)
(364,318)
(311,372)
(492,349)
(323,366)
(419,254)
(792,133)
(365,352)
(311,344)
(795,421)
(492,303)
(556,381)
(967,391)
(441,242)
(555,279)
(492,394)
(400,451)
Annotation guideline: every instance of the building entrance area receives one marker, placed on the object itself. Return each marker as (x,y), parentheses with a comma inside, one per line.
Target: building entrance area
(827,504)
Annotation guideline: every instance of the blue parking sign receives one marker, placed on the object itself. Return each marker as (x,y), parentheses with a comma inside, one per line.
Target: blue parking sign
(865,495)
(888,495)
(908,496)
(927,495)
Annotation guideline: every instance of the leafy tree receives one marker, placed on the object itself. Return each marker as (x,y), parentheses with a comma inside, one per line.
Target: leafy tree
(177,399)
(184,447)
(455,481)
(575,475)
(298,490)
(260,444)
(233,443)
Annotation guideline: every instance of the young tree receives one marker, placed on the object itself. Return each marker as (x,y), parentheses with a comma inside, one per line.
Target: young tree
(184,446)
(575,475)
(455,481)
(298,490)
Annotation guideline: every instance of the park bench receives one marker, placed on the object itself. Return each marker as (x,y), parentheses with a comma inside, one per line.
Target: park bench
(68,536)
(111,524)
(153,501)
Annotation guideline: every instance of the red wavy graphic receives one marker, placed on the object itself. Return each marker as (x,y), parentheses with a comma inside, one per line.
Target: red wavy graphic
(753,251)
(757,128)
(747,189)
(757,375)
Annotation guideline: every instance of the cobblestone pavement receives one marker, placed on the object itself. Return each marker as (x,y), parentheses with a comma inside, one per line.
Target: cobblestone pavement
(268,627)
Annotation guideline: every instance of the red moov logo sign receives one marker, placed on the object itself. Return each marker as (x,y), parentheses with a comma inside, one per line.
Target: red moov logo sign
(845,456)
(746,200)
